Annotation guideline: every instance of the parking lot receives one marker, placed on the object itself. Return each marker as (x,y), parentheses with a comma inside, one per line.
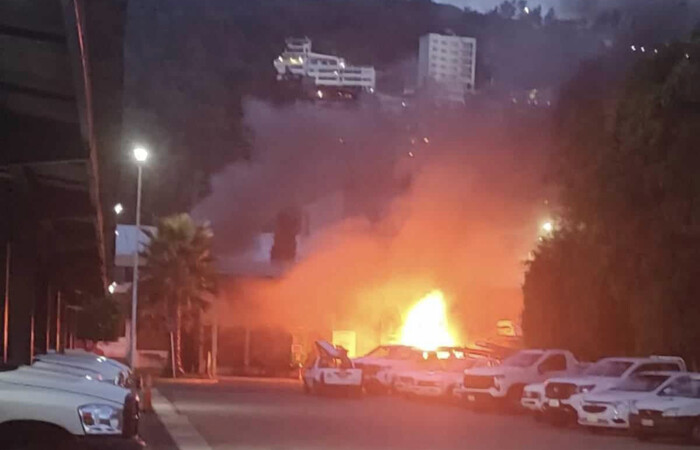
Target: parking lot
(276,414)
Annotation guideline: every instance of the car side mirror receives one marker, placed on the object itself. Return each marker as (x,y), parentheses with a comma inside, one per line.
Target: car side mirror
(667,390)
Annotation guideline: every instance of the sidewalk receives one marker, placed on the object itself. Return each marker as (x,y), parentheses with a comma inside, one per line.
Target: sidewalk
(153,432)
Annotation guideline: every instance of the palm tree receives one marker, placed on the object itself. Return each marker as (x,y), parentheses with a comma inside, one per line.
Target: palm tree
(178,274)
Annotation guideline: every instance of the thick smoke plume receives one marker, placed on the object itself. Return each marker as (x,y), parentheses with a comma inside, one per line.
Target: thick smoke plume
(459,215)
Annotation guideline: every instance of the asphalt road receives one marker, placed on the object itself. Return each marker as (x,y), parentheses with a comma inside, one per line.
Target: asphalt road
(267,414)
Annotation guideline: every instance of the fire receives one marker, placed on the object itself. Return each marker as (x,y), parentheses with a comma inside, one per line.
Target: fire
(426,324)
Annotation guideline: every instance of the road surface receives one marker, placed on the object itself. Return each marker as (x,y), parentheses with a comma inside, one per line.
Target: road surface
(269,414)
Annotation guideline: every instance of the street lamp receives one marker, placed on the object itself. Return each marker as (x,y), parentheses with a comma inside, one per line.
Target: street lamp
(548,227)
(140,155)
(118,208)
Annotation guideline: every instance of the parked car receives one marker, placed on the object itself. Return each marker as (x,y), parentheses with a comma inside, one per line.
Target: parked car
(40,409)
(507,381)
(445,377)
(673,411)
(564,395)
(109,369)
(381,366)
(611,408)
(331,369)
(533,398)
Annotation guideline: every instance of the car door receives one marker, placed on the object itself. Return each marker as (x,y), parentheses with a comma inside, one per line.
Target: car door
(310,370)
(553,365)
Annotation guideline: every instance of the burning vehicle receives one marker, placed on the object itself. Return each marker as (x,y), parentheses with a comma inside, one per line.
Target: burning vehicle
(425,332)
(330,370)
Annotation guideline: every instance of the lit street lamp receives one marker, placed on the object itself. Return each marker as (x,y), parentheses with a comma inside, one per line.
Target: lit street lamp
(118,208)
(140,155)
(548,227)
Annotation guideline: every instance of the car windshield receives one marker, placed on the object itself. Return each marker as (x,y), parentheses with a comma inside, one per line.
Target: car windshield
(641,383)
(459,365)
(522,359)
(393,352)
(683,387)
(608,368)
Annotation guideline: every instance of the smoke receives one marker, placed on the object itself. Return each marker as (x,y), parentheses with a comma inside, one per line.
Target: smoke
(459,215)
(300,154)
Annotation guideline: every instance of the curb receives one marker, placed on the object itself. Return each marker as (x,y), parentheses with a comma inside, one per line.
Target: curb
(181,430)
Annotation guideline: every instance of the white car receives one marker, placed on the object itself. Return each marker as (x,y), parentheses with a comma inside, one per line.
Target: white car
(533,399)
(109,369)
(331,369)
(507,381)
(444,378)
(564,395)
(673,411)
(381,366)
(39,409)
(611,408)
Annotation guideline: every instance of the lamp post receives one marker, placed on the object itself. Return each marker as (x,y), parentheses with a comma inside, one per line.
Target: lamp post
(140,155)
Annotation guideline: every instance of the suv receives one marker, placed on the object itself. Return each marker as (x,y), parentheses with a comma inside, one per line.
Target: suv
(564,395)
(44,410)
(506,381)
(673,411)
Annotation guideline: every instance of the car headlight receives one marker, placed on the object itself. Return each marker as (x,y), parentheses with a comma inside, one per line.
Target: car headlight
(672,412)
(633,407)
(620,407)
(585,389)
(497,380)
(101,419)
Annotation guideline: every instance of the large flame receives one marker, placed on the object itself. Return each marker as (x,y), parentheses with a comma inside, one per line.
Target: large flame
(426,324)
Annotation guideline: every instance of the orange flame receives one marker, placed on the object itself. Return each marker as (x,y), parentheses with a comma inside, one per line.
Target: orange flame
(426,324)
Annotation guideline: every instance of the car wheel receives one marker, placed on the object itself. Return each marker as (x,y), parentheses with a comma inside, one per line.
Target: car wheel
(39,437)
(695,432)
(515,393)
(642,435)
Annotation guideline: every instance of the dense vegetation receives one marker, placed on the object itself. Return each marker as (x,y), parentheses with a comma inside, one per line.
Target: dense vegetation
(621,274)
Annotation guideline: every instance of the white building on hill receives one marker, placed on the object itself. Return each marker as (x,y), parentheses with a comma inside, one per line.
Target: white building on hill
(447,66)
(325,70)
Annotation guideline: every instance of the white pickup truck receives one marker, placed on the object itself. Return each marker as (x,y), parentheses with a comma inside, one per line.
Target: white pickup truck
(331,369)
(564,395)
(109,370)
(40,410)
(507,381)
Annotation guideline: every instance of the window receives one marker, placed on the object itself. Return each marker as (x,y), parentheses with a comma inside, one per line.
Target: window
(641,383)
(657,367)
(608,368)
(522,359)
(682,387)
(554,363)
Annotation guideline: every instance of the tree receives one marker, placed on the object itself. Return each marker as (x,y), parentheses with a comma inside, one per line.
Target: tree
(625,261)
(99,319)
(178,274)
(507,9)
(550,18)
